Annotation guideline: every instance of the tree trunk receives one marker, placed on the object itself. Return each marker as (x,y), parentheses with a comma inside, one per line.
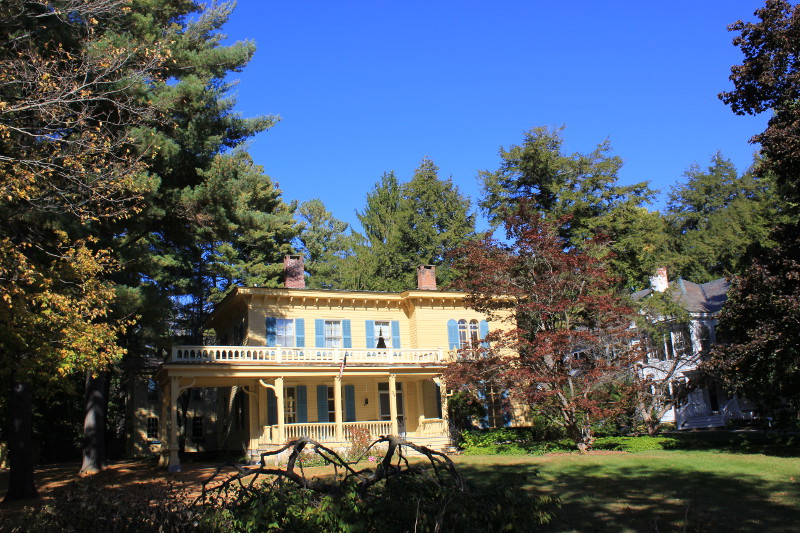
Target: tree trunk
(94,423)
(21,485)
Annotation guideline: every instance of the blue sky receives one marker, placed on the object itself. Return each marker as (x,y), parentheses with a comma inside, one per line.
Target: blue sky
(367,87)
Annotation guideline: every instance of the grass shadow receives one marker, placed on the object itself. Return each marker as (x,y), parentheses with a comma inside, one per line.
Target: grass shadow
(633,496)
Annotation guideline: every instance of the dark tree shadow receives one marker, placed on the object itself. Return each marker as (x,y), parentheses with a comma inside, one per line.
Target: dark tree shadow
(657,499)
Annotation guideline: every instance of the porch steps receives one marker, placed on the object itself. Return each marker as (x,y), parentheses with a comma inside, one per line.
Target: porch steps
(703,422)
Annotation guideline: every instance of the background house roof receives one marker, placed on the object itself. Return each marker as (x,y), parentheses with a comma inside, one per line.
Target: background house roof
(695,297)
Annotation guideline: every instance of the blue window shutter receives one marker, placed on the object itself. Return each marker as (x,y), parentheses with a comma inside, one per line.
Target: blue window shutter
(349,403)
(272,330)
(483,330)
(322,403)
(302,404)
(300,332)
(452,335)
(370,325)
(272,408)
(347,341)
(395,334)
(319,332)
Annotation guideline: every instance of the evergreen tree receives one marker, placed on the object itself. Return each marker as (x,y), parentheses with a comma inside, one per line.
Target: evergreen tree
(582,186)
(324,244)
(717,217)
(406,225)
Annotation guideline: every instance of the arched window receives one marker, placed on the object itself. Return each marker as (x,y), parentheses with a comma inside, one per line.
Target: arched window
(463,337)
(473,333)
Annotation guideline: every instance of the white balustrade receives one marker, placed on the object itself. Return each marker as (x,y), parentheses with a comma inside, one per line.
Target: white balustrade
(294,355)
(323,431)
(430,427)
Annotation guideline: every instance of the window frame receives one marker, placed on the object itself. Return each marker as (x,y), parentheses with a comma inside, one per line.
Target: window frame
(153,429)
(282,326)
(333,333)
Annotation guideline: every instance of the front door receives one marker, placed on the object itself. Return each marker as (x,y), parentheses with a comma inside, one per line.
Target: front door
(383,396)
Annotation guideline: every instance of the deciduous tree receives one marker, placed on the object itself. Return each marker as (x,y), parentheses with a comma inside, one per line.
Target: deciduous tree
(768,79)
(561,336)
(69,104)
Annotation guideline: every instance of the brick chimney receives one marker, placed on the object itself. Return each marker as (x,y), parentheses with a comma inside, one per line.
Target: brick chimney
(659,282)
(426,278)
(293,272)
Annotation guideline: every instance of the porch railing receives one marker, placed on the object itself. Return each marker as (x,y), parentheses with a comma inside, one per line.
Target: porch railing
(431,427)
(322,431)
(334,356)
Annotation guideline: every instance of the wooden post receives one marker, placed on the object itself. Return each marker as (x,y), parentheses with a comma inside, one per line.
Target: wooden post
(253,419)
(393,403)
(281,412)
(337,401)
(163,460)
(174,460)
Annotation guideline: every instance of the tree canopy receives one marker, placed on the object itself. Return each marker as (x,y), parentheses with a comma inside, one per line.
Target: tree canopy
(560,340)
(406,225)
(584,186)
(717,219)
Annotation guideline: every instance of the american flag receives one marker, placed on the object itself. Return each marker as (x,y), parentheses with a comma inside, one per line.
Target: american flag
(344,363)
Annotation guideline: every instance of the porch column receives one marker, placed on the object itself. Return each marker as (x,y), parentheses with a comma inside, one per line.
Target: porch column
(421,400)
(393,403)
(337,400)
(262,403)
(443,402)
(174,460)
(253,418)
(163,460)
(281,412)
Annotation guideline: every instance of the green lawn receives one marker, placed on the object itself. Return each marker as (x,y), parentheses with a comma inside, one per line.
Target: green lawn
(657,490)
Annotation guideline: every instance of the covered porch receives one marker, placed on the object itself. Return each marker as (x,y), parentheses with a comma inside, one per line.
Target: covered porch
(281,403)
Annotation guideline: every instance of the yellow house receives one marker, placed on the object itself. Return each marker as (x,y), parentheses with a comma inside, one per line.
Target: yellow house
(324,363)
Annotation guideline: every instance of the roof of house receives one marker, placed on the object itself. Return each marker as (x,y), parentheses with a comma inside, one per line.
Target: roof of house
(695,297)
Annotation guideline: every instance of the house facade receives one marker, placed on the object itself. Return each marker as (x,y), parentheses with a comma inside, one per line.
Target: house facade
(325,364)
(675,358)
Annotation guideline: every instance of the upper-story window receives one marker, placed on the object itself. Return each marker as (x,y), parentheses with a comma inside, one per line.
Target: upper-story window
(468,334)
(152,390)
(333,334)
(284,332)
(382,334)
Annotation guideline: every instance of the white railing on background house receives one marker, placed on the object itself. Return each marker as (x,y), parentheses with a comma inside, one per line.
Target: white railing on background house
(268,355)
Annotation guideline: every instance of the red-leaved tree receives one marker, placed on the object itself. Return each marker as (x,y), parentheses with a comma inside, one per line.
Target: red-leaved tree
(561,335)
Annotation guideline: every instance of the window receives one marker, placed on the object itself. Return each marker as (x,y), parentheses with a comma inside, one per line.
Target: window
(197,394)
(152,428)
(385,406)
(152,390)
(290,405)
(284,331)
(468,334)
(333,334)
(197,428)
(382,334)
